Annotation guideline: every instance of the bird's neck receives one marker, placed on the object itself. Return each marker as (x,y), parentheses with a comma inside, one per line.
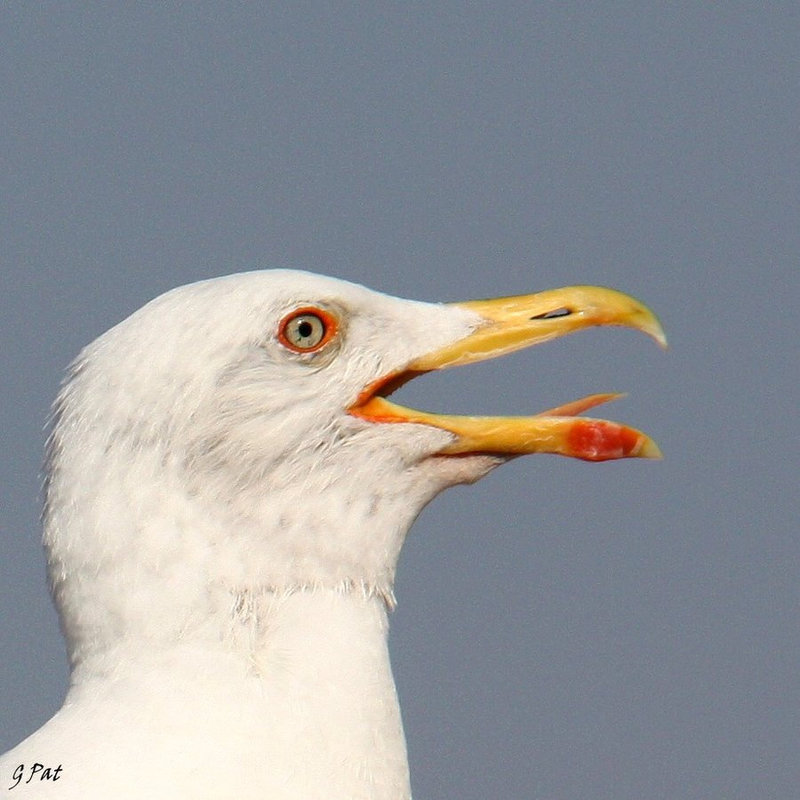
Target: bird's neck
(298,700)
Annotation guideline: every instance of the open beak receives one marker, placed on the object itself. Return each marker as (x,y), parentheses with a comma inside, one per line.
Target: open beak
(509,324)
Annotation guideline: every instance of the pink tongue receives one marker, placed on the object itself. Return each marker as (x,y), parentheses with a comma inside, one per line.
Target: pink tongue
(579,406)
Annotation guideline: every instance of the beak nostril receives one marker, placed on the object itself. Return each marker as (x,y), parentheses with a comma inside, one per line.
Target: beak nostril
(558,312)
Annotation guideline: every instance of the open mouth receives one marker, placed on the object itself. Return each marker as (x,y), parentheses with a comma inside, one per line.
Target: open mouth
(509,324)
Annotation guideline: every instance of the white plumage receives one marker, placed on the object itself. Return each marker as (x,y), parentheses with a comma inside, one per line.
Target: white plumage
(223,519)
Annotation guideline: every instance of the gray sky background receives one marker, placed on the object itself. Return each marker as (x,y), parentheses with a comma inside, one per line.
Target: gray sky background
(565,630)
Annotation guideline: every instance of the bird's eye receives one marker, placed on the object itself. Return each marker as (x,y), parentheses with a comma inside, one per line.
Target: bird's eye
(307,330)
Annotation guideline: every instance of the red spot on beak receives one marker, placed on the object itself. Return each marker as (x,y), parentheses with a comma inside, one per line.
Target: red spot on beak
(598,440)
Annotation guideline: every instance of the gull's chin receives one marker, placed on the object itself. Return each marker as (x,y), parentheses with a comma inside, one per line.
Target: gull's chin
(454,470)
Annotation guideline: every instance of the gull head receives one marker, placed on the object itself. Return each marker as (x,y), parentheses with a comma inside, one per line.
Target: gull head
(234,437)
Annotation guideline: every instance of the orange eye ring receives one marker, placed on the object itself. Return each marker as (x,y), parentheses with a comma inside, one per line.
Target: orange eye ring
(307,329)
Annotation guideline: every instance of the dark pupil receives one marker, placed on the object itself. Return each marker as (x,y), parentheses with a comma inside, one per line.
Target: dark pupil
(305,329)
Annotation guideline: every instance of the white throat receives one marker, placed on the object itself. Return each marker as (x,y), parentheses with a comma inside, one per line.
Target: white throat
(301,704)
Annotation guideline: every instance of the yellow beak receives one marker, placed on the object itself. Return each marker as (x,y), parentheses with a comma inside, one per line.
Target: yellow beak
(512,323)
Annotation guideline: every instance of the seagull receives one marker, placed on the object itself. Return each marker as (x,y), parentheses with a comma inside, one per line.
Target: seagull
(228,488)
